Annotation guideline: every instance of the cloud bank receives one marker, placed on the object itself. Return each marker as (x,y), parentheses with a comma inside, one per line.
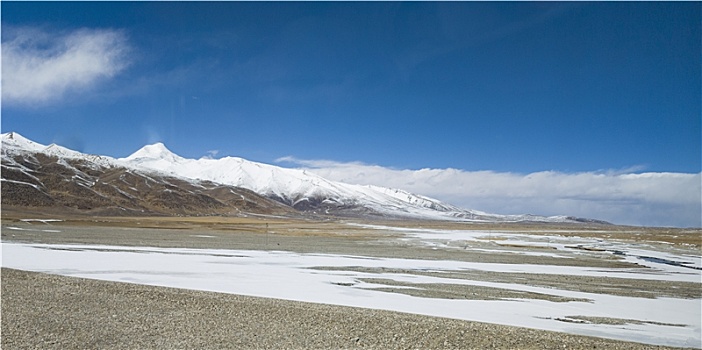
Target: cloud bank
(649,199)
(39,66)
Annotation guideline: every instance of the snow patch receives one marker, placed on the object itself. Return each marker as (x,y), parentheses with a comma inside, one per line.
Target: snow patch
(663,321)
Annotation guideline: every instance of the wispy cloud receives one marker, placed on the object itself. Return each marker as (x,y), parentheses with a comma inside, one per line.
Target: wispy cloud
(656,199)
(211,154)
(39,66)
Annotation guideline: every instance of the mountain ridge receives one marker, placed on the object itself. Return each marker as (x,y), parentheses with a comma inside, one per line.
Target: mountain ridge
(299,189)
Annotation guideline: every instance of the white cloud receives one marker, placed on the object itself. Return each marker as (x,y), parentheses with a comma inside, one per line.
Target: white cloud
(211,154)
(39,66)
(654,199)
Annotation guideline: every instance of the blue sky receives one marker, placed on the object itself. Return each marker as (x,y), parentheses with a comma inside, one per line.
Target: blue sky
(602,88)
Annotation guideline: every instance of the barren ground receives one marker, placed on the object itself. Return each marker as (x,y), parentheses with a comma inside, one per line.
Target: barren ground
(43,311)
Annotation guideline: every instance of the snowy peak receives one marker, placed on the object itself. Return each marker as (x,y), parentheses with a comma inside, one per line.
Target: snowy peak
(15,141)
(14,144)
(156,152)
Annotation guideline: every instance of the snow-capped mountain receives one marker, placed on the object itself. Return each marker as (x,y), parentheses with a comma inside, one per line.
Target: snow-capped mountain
(304,190)
(300,189)
(35,176)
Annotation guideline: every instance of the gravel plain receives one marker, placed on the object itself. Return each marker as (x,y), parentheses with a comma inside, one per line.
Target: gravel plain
(42,311)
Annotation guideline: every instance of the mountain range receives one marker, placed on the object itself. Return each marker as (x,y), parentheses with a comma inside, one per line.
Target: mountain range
(154,180)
